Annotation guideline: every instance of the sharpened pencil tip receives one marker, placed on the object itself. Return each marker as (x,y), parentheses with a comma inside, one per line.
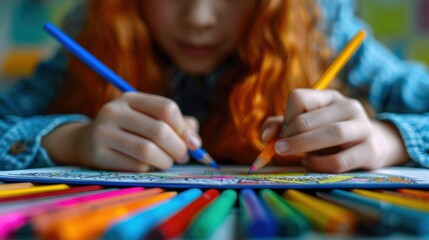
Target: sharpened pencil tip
(214,165)
(209,161)
(251,170)
(206,159)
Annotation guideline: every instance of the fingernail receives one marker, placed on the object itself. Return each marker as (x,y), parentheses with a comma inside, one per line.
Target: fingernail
(265,134)
(194,142)
(282,146)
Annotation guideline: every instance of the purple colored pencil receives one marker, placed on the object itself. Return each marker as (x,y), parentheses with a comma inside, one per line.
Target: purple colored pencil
(256,219)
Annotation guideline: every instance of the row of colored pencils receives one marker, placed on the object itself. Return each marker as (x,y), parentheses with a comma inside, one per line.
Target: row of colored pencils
(92,212)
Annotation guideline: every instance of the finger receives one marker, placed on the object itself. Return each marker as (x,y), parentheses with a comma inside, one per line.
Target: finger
(192,123)
(271,128)
(305,100)
(329,136)
(271,120)
(154,130)
(140,149)
(193,140)
(114,160)
(158,107)
(166,110)
(336,112)
(351,158)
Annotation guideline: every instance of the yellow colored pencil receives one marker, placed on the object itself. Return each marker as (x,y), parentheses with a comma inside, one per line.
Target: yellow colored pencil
(403,201)
(322,83)
(10,186)
(31,190)
(326,216)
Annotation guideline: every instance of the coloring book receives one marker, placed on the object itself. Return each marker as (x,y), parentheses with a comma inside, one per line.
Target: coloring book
(188,176)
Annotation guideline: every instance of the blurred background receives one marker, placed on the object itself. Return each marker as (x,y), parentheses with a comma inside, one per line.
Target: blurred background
(23,43)
(402,25)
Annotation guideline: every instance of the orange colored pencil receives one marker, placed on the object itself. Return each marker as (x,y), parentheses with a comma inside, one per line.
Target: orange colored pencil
(325,79)
(44,224)
(403,195)
(420,194)
(99,220)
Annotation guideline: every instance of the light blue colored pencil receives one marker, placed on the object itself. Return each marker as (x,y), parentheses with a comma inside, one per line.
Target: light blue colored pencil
(138,225)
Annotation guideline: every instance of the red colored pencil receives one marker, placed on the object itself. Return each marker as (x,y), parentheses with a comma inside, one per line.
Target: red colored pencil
(52,194)
(178,223)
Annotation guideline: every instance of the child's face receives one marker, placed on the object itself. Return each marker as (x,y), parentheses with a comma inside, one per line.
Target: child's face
(197,34)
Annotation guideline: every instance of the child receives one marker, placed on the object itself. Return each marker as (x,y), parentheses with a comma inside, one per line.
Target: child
(239,69)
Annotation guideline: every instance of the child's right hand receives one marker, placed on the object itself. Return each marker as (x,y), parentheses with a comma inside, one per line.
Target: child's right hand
(131,133)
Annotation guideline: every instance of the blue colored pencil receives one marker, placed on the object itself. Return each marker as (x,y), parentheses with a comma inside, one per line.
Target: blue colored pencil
(200,154)
(257,221)
(139,224)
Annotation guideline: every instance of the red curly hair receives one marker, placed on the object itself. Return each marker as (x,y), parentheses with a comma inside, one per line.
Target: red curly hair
(283,49)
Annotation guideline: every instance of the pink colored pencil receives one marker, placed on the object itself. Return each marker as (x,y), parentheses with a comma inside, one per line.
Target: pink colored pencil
(95,197)
(12,221)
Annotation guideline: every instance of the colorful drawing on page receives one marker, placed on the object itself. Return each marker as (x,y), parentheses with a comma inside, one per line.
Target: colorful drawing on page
(229,177)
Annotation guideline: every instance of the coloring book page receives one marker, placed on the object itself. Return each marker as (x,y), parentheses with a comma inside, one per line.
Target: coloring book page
(188,176)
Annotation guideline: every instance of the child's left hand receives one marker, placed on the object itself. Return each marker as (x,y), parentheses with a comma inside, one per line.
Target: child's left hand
(335,132)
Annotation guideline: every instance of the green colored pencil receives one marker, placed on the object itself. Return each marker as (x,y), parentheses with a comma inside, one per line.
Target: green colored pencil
(204,225)
(293,222)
